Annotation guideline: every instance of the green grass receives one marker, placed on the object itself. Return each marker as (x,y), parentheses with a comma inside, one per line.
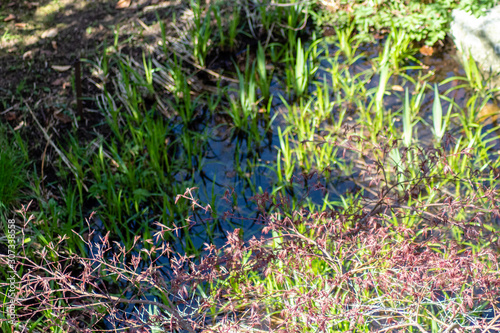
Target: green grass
(14,166)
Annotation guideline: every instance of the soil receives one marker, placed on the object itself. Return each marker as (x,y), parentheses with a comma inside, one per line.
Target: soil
(40,42)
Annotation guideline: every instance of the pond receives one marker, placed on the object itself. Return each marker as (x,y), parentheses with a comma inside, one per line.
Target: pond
(238,165)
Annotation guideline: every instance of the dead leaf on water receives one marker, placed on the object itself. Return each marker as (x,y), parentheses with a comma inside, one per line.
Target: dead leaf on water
(231,174)
(488,114)
(61,68)
(122,4)
(426,50)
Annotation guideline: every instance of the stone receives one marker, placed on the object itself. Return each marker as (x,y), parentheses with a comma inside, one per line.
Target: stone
(478,37)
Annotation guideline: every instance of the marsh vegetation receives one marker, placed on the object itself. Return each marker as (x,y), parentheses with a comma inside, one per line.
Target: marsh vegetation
(249,166)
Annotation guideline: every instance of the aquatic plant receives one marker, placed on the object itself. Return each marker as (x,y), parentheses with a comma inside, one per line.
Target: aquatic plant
(374,262)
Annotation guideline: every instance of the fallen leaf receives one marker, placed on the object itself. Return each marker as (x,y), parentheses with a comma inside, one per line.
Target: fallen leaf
(54,45)
(122,4)
(58,81)
(488,114)
(61,68)
(62,117)
(20,25)
(426,50)
(9,18)
(397,87)
(50,33)
(10,116)
(28,55)
(19,126)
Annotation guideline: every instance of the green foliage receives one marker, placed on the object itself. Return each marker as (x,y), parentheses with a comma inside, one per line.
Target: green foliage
(201,32)
(425,21)
(437,116)
(13,168)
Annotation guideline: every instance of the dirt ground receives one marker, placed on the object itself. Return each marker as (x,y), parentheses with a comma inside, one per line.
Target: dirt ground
(40,41)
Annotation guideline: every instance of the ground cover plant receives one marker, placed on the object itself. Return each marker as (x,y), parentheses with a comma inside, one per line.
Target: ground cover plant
(241,167)
(430,17)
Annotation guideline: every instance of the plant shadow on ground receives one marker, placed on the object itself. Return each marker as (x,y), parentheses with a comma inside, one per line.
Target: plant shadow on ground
(41,42)
(55,33)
